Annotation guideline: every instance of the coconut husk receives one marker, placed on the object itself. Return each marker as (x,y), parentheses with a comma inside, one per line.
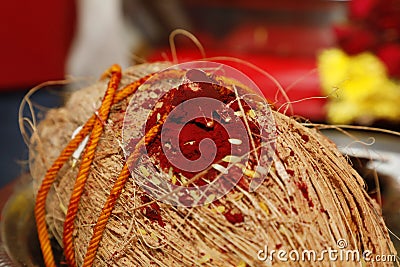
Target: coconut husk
(311,199)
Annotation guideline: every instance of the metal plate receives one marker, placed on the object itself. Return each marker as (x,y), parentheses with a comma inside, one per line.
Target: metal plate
(18,230)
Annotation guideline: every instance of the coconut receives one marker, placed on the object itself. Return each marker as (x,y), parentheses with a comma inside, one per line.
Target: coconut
(310,200)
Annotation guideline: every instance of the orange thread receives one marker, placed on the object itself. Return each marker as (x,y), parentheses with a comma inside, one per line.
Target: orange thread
(48,180)
(86,162)
(51,174)
(108,207)
(105,215)
(94,126)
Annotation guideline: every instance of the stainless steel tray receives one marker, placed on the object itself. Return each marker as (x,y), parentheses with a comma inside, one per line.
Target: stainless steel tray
(20,245)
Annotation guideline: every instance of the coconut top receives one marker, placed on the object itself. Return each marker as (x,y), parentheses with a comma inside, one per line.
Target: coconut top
(311,198)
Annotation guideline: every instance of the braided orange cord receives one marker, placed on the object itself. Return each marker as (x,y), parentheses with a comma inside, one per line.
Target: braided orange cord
(86,162)
(105,215)
(108,207)
(51,174)
(40,212)
(130,89)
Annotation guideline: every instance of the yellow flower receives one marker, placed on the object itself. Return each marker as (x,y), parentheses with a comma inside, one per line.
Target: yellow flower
(358,86)
(333,68)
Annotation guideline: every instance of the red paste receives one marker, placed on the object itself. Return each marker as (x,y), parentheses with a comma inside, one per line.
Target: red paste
(198,129)
(152,211)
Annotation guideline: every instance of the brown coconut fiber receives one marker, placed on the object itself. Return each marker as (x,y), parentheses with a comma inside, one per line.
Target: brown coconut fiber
(312,199)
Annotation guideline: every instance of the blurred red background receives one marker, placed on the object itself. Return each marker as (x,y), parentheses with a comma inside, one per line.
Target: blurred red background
(35,39)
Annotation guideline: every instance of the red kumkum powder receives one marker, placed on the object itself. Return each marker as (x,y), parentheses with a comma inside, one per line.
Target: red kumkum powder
(199,128)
